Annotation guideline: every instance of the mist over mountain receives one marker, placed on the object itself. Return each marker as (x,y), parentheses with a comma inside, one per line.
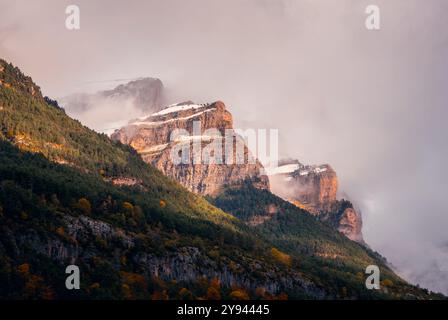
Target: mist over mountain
(69,195)
(108,110)
(372,104)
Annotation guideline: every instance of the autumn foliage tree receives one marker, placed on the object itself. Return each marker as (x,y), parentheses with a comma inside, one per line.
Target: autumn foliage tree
(213,294)
(281,257)
(84,206)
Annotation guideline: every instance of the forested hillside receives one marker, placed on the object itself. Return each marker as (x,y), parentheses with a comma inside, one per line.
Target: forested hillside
(69,195)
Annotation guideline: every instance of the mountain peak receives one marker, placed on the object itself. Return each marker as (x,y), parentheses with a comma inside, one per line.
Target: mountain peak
(151,137)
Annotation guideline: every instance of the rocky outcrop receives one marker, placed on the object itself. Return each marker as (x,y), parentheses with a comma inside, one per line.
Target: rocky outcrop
(86,239)
(189,143)
(350,224)
(314,188)
(343,217)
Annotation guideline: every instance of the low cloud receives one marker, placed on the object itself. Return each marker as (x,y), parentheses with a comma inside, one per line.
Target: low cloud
(370,103)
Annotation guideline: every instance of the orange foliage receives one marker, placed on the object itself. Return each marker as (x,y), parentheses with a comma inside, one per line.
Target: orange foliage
(24,269)
(60,231)
(159,295)
(215,283)
(185,294)
(282,296)
(281,257)
(134,280)
(128,206)
(84,205)
(213,294)
(239,294)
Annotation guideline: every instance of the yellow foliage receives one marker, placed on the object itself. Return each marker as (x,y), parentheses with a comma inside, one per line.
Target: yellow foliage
(162,203)
(239,294)
(387,283)
(281,257)
(84,205)
(128,206)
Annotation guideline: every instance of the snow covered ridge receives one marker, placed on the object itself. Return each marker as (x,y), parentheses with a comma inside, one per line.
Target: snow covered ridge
(159,123)
(300,169)
(312,169)
(178,107)
(146,120)
(287,168)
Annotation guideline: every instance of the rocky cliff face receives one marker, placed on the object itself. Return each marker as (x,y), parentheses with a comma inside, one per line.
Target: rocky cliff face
(194,136)
(187,263)
(350,224)
(314,188)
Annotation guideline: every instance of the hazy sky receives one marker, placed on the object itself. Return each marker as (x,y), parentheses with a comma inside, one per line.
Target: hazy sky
(373,104)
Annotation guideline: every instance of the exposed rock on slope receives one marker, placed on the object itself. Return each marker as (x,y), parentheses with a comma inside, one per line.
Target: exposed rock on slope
(314,188)
(345,219)
(204,124)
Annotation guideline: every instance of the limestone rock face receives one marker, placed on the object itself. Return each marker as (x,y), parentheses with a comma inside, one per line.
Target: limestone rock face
(170,140)
(350,224)
(314,188)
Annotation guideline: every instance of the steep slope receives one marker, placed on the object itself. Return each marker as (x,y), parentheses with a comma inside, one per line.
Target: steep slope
(131,240)
(326,256)
(152,138)
(69,195)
